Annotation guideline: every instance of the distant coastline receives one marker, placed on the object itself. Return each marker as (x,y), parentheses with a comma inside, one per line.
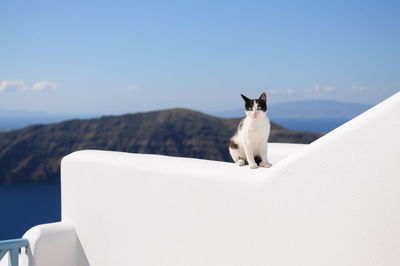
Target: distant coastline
(8,123)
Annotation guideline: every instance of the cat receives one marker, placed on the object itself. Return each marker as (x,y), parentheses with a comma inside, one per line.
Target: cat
(249,144)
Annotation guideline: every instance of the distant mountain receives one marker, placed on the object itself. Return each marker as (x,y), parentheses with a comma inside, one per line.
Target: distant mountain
(306,109)
(33,154)
(318,109)
(20,113)
(16,119)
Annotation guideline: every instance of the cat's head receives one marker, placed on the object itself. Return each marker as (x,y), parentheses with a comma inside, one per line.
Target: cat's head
(255,108)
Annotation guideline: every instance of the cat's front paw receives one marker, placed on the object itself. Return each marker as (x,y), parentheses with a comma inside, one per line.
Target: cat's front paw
(265,164)
(253,165)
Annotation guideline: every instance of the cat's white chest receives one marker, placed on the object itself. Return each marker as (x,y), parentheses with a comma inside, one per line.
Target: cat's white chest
(256,132)
(257,128)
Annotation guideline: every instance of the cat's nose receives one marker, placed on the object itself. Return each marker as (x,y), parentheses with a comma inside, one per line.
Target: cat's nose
(254,115)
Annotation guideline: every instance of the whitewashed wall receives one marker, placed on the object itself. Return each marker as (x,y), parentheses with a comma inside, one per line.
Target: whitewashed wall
(335,202)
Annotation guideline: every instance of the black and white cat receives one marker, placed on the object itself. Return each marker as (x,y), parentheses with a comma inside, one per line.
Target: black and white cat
(249,144)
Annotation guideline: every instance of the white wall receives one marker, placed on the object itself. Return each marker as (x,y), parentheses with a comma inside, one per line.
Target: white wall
(336,202)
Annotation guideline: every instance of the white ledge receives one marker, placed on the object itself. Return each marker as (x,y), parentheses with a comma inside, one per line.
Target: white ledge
(333,202)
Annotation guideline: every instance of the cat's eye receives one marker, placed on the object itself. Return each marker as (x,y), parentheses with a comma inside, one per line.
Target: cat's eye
(259,108)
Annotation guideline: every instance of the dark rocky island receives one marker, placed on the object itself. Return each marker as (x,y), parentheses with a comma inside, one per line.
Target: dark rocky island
(33,154)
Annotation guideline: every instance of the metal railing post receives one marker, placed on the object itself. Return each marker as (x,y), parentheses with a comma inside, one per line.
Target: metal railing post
(13,247)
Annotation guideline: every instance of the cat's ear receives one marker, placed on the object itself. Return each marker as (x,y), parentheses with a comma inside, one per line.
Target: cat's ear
(245,98)
(263,97)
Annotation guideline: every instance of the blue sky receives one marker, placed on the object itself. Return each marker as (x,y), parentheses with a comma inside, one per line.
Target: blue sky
(110,57)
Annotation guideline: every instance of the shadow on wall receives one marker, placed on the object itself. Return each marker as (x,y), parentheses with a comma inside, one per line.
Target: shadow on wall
(55,244)
(82,260)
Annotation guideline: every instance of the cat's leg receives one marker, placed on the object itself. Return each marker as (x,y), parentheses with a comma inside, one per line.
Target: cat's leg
(237,156)
(263,153)
(248,149)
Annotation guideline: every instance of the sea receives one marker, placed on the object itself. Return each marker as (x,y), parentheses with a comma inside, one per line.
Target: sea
(23,206)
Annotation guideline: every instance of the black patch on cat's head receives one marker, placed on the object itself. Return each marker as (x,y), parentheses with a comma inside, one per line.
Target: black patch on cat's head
(248,103)
(261,102)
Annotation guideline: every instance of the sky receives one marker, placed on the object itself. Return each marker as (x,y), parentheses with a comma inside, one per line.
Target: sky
(112,57)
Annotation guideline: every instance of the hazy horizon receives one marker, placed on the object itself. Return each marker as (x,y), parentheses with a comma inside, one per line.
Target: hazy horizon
(5,112)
